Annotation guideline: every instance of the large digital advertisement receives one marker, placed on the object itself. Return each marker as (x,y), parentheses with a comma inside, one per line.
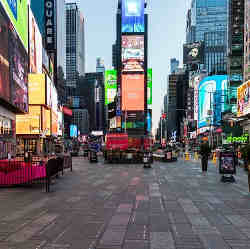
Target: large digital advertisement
(37,89)
(133,53)
(18,72)
(150,90)
(133,92)
(29,123)
(133,16)
(212,100)
(36,46)
(17,11)
(110,86)
(243,99)
(193,53)
(4,60)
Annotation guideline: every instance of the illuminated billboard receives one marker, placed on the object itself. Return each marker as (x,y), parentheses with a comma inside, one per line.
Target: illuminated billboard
(133,92)
(243,99)
(18,72)
(54,123)
(133,16)
(73,131)
(46,121)
(17,11)
(133,53)
(4,60)
(29,123)
(37,89)
(193,53)
(36,47)
(149,87)
(110,86)
(212,100)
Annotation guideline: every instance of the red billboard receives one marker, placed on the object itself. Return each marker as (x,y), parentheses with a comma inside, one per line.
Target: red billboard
(133,92)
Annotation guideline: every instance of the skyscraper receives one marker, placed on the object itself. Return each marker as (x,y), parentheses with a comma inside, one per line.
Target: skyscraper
(174,64)
(100,68)
(207,21)
(75,45)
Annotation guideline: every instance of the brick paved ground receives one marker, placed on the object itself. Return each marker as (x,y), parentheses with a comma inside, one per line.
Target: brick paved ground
(100,206)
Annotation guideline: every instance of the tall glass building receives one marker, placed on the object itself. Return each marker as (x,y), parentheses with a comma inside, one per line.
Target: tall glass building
(75,44)
(207,21)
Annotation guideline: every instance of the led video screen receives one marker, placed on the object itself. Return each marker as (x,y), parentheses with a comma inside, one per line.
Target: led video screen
(18,72)
(133,92)
(17,11)
(4,60)
(35,48)
(133,16)
(133,53)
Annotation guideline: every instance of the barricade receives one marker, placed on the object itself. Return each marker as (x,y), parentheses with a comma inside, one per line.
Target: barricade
(214,158)
(17,172)
(187,156)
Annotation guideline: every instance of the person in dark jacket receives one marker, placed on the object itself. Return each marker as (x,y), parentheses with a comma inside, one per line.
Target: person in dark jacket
(205,151)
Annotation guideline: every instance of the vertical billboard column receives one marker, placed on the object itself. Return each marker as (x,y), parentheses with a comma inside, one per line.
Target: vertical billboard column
(133,68)
(50,25)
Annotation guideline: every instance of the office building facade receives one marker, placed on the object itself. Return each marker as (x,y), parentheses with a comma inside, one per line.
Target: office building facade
(247,41)
(75,46)
(174,64)
(207,20)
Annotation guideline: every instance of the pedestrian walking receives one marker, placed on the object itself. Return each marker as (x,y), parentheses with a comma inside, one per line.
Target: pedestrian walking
(205,151)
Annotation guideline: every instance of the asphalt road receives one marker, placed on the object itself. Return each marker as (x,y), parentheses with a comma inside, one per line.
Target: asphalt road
(103,206)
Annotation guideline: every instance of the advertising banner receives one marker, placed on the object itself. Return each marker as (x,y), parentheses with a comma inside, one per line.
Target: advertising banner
(36,46)
(193,53)
(73,131)
(29,123)
(133,92)
(46,121)
(50,26)
(243,99)
(18,72)
(110,86)
(17,11)
(133,16)
(133,53)
(4,61)
(54,123)
(227,163)
(37,89)
(212,100)
(150,89)
(59,123)
(47,118)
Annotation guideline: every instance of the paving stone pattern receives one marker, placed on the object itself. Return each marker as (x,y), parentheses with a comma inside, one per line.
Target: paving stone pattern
(102,206)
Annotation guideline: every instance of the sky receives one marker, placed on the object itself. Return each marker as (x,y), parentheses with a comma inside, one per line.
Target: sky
(167,20)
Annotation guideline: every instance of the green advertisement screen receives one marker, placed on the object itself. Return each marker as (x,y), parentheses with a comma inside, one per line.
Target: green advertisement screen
(17,11)
(150,86)
(110,86)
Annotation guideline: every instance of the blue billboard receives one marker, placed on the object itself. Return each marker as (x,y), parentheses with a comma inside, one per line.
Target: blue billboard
(213,93)
(133,16)
(73,131)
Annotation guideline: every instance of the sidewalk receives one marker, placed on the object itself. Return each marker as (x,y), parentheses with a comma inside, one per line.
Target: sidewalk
(102,206)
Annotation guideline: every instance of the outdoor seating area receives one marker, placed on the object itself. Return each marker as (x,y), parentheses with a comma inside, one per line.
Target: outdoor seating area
(16,172)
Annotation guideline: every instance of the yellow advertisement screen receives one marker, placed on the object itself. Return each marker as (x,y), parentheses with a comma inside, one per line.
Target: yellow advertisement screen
(46,121)
(29,123)
(37,89)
